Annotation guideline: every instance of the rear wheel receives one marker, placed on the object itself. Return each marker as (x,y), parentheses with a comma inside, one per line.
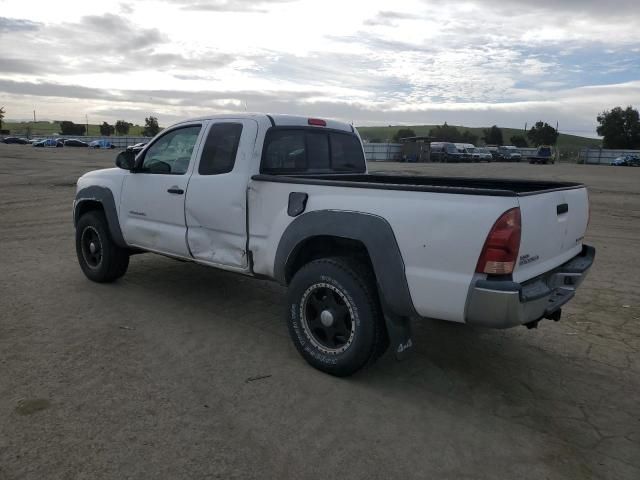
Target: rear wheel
(100,258)
(335,319)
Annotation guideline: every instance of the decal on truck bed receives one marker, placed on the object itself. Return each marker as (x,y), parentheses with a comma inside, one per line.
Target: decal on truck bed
(525,259)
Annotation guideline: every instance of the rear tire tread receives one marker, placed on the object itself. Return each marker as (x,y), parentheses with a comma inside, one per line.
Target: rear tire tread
(362,275)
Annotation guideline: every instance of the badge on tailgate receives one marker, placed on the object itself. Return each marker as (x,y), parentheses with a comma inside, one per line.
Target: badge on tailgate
(524,259)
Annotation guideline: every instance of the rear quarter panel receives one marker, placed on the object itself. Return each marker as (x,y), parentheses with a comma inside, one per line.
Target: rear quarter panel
(440,235)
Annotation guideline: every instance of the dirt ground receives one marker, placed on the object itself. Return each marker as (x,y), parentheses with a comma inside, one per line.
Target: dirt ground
(181,371)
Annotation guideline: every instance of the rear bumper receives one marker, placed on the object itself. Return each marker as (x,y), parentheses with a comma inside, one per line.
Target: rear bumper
(504,304)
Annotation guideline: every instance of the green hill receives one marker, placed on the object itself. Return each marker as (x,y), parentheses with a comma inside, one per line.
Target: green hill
(566,143)
(43,129)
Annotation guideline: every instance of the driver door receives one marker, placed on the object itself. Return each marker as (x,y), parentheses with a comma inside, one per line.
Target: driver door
(153,194)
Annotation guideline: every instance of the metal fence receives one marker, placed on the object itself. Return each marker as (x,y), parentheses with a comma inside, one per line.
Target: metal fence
(392,152)
(602,156)
(382,152)
(116,141)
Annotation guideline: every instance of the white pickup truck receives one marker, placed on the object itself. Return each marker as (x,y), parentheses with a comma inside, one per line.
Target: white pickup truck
(289,199)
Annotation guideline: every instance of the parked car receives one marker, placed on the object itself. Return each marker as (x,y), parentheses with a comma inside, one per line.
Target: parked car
(543,155)
(463,148)
(479,154)
(626,161)
(49,142)
(74,142)
(15,140)
(101,144)
(445,152)
(137,148)
(289,198)
(509,153)
(493,150)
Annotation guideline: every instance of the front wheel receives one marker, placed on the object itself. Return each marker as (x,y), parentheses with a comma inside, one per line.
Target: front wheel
(100,258)
(335,319)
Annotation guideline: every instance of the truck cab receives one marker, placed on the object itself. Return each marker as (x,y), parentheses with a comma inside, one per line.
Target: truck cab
(509,153)
(544,155)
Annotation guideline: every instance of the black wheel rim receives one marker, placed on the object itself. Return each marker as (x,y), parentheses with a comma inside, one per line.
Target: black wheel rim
(327,318)
(91,246)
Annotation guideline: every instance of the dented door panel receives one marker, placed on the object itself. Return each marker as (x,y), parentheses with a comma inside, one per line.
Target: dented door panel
(216,206)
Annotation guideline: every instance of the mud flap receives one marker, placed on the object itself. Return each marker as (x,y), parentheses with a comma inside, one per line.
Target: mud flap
(399,330)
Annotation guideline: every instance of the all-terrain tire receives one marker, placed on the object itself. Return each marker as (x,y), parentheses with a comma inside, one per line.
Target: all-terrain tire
(100,258)
(350,288)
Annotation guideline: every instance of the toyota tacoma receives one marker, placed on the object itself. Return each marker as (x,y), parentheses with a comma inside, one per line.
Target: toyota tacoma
(290,199)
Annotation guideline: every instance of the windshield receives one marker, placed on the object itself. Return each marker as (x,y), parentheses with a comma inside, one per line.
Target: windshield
(450,148)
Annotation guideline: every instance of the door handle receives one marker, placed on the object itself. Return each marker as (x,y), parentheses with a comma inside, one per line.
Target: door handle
(176,190)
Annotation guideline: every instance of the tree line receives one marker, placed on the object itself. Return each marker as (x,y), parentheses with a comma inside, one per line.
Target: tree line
(541,133)
(121,127)
(620,129)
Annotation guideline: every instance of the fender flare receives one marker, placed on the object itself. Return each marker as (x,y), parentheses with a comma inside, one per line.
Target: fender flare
(104,196)
(372,231)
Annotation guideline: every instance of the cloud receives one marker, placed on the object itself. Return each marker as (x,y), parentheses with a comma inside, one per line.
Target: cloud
(126,8)
(386,18)
(21,66)
(103,34)
(205,98)
(486,61)
(101,44)
(235,6)
(10,25)
(616,8)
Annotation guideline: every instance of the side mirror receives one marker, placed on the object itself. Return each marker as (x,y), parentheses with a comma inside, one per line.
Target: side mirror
(126,160)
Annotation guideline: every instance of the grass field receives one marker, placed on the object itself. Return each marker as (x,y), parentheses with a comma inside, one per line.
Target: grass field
(565,142)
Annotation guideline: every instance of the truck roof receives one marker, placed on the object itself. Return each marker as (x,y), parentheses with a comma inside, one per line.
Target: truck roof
(278,120)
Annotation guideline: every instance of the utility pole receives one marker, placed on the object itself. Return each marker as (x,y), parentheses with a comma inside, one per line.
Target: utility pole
(86,117)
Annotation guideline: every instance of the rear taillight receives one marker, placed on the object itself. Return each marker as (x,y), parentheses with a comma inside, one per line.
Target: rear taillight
(500,250)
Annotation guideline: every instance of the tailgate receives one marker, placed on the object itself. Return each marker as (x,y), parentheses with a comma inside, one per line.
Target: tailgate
(553,227)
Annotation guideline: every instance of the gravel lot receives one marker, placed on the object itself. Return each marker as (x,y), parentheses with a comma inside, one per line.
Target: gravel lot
(180,371)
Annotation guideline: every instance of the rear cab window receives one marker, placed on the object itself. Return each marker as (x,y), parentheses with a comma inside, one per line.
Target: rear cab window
(304,150)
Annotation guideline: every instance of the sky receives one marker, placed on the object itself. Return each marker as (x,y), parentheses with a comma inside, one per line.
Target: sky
(374,62)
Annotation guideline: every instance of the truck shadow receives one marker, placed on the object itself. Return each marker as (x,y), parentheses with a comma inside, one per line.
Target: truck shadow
(516,376)
(449,358)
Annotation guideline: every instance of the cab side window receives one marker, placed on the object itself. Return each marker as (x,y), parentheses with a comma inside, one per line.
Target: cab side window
(220,149)
(171,153)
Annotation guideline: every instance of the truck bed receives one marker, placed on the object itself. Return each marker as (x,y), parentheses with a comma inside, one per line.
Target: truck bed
(457,185)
